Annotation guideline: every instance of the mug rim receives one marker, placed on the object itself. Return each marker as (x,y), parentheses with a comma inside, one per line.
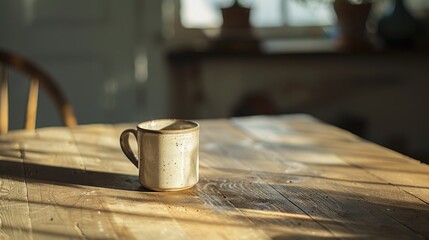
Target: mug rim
(176,131)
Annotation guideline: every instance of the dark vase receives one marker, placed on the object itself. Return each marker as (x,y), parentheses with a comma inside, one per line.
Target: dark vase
(398,28)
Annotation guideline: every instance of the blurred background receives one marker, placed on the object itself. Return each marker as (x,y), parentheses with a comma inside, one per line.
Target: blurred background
(360,65)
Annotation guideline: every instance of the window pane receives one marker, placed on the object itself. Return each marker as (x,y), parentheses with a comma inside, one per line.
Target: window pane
(265,13)
(311,13)
(202,13)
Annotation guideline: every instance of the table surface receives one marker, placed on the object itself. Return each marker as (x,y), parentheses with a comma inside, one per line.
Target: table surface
(261,177)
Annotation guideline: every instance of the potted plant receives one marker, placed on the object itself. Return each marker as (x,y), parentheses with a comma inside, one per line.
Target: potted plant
(236,31)
(352,16)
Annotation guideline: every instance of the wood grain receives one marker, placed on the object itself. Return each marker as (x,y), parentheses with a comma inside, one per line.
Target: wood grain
(15,222)
(347,185)
(260,178)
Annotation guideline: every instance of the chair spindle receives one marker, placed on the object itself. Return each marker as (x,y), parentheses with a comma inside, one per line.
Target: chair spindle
(4,100)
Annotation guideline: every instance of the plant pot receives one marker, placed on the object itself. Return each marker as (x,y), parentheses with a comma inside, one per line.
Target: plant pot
(352,20)
(236,32)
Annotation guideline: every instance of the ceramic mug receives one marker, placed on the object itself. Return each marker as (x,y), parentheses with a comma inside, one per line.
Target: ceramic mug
(168,154)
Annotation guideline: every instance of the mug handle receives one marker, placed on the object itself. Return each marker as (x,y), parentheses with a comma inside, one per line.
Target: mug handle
(125,145)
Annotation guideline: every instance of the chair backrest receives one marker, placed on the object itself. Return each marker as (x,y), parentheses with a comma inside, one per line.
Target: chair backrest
(37,77)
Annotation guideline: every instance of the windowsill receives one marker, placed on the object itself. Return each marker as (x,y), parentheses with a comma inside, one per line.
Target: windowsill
(298,46)
(291,47)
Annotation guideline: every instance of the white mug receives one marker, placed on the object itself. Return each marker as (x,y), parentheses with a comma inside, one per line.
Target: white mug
(168,154)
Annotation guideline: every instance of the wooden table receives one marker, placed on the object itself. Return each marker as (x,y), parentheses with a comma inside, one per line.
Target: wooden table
(260,177)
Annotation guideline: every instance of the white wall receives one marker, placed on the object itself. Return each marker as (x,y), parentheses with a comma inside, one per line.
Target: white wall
(90,48)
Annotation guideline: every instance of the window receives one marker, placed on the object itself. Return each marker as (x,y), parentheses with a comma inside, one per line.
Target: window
(276,19)
(265,13)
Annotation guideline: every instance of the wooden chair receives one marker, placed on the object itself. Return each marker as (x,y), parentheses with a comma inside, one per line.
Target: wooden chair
(37,77)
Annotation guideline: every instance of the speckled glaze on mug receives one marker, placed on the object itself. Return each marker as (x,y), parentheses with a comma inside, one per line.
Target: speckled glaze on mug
(168,153)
